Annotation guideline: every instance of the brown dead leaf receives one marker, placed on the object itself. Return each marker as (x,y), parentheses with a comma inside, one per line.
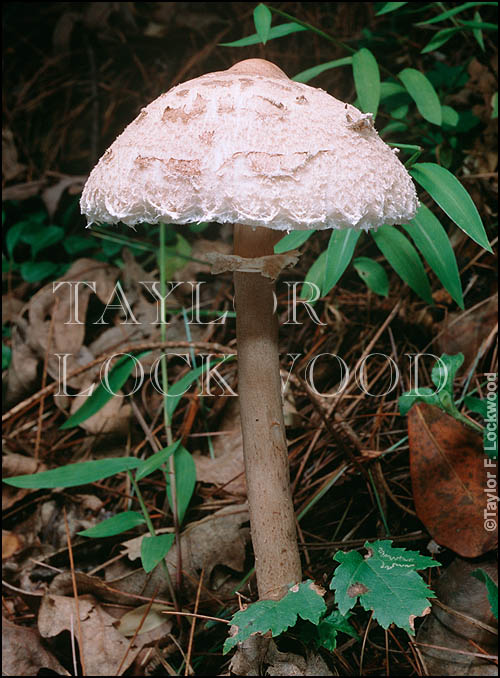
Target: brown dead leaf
(154,619)
(449,480)
(103,646)
(67,335)
(22,374)
(23,653)
(17,465)
(218,539)
(227,468)
(62,585)
(30,339)
(465,332)
(458,626)
(11,168)
(200,248)
(257,652)
(11,307)
(11,544)
(52,195)
(112,418)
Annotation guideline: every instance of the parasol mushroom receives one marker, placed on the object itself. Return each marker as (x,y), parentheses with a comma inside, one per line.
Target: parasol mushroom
(251,147)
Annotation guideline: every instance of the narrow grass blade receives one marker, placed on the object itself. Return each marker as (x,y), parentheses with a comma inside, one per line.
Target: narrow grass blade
(185,477)
(154,549)
(262,19)
(292,241)
(310,73)
(403,257)
(275,32)
(73,475)
(453,199)
(373,275)
(115,525)
(432,240)
(367,80)
(339,254)
(96,401)
(423,94)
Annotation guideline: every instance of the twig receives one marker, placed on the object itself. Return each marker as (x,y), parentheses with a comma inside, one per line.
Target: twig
(75,593)
(44,379)
(199,345)
(136,632)
(191,633)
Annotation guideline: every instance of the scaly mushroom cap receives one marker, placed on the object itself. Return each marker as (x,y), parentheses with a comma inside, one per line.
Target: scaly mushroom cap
(250,146)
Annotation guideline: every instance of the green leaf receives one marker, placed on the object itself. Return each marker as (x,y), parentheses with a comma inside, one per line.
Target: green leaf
(330,626)
(6,356)
(433,242)
(14,235)
(404,259)
(74,244)
(34,271)
(394,126)
(423,94)
(385,581)
(339,254)
(275,32)
(119,374)
(439,39)
(494,105)
(199,227)
(158,459)
(176,257)
(451,117)
(262,19)
(176,391)
(477,32)
(445,370)
(491,588)
(453,199)
(115,525)
(40,237)
(488,409)
(310,73)
(292,241)
(185,481)
(451,12)
(421,395)
(476,405)
(302,600)
(471,25)
(389,89)
(367,80)
(154,549)
(395,99)
(315,275)
(389,7)
(373,274)
(73,475)
(111,247)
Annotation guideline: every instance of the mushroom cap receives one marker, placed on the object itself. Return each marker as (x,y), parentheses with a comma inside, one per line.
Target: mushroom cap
(250,146)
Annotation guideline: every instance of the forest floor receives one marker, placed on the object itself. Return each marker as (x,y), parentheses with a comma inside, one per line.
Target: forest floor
(75,74)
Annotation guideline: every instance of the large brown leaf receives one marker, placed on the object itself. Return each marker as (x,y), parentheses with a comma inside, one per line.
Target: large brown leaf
(449,481)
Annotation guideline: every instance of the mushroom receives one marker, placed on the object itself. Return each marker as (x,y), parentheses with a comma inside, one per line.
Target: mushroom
(251,147)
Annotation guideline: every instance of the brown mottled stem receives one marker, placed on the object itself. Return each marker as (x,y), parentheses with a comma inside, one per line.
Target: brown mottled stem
(272,520)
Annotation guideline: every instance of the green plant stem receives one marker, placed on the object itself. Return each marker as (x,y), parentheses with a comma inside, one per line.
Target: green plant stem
(379,503)
(328,37)
(152,532)
(166,417)
(312,28)
(203,408)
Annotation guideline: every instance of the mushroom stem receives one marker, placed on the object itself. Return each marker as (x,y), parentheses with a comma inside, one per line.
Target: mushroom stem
(272,518)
